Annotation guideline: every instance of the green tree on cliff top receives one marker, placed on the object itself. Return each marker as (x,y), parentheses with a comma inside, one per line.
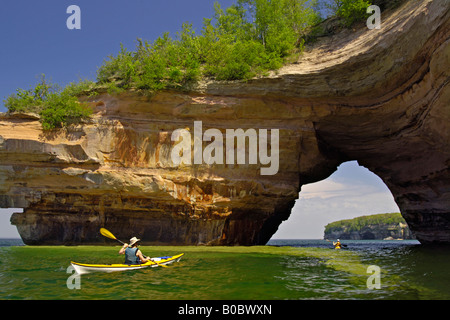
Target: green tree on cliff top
(247,39)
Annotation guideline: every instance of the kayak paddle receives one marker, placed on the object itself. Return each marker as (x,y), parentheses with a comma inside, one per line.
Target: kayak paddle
(108,234)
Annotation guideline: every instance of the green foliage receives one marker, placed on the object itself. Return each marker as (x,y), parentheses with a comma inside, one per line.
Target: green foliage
(62,109)
(56,107)
(245,40)
(358,223)
(165,63)
(350,11)
(29,100)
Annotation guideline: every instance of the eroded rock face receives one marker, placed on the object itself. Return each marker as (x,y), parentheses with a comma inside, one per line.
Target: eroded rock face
(377,96)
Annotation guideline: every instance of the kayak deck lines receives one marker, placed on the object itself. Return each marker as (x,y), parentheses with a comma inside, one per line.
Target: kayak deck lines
(82,268)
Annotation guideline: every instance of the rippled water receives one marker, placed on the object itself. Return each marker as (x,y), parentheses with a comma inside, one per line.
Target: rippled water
(294,269)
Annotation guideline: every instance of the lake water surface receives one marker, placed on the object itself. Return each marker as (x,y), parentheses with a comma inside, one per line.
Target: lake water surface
(281,270)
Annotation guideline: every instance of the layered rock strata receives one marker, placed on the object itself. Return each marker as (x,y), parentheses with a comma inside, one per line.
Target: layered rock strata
(380,97)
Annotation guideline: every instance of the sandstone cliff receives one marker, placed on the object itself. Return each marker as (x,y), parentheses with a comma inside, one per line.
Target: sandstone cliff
(380,97)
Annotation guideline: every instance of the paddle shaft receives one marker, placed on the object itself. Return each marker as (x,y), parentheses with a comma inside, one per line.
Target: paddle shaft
(121,241)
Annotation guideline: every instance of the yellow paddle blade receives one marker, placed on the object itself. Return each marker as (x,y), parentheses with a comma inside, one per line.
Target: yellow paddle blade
(107,233)
(159,264)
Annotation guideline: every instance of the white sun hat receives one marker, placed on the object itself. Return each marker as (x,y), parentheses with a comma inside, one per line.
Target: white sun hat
(134,240)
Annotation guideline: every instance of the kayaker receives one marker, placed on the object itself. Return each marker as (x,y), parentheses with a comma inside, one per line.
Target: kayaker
(337,244)
(132,253)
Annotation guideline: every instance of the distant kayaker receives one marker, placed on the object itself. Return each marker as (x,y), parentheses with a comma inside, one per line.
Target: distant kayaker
(132,253)
(337,244)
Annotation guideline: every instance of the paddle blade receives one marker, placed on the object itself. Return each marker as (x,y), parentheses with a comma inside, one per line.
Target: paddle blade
(159,264)
(107,233)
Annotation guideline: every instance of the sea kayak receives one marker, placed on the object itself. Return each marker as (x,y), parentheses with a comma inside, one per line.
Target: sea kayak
(82,268)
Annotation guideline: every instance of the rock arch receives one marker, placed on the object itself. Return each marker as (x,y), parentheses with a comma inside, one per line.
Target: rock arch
(380,97)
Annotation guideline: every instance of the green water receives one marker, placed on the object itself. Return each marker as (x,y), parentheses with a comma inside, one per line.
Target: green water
(230,273)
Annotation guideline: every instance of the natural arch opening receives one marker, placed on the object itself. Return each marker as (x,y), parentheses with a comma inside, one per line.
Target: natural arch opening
(349,192)
(7,230)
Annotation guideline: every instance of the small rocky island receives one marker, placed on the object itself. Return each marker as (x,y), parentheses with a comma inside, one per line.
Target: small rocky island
(385,226)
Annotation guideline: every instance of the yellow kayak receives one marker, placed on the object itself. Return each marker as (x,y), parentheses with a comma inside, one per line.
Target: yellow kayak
(82,268)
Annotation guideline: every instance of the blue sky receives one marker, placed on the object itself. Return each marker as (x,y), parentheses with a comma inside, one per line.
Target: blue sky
(35,40)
